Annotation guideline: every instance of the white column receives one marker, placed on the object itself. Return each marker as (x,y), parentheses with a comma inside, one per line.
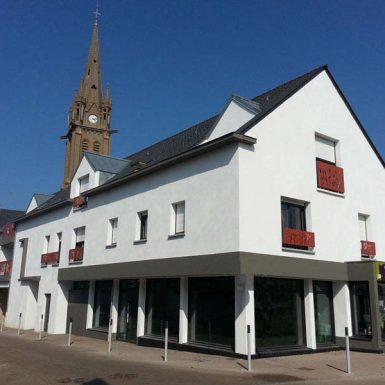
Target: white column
(342,312)
(183,311)
(114,305)
(309,315)
(141,308)
(244,312)
(90,306)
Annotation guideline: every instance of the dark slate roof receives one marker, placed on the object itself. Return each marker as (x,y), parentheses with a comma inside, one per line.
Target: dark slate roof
(192,137)
(106,163)
(7,216)
(41,198)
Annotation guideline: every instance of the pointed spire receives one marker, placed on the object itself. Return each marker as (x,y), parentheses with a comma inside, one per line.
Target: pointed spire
(91,84)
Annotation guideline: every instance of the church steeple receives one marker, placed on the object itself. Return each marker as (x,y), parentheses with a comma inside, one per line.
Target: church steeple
(89,114)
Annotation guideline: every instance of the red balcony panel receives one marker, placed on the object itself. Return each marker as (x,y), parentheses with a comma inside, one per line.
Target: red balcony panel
(50,258)
(76,254)
(79,202)
(298,238)
(8,230)
(330,177)
(368,249)
(5,268)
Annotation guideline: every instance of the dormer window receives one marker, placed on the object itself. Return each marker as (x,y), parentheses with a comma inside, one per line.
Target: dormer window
(84,183)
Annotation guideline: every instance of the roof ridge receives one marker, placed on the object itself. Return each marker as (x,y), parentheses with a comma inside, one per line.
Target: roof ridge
(105,156)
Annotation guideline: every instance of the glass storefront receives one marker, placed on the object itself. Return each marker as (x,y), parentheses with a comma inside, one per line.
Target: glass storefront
(102,304)
(323,309)
(128,309)
(162,304)
(381,306)
(360,305)
(211,310)
(279,312)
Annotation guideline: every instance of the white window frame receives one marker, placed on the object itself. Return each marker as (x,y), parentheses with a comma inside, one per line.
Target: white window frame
(77,237)
(112,235)
(177,228)
(82,187)
(47,240)
(336,157)
(139,226)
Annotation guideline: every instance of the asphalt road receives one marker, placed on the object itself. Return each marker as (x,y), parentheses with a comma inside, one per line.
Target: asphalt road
(28,362)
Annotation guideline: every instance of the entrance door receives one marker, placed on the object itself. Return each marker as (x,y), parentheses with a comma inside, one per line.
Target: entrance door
(323,308)
(47,307)
(128,310)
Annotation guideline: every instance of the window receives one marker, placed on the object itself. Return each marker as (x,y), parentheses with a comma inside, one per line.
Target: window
(112,232)
(363,223)
(58,235)
(83,183)
(85,145)
(325,149)
(294,229)
(178,218)
(142,226)
(80,233)
(102,304)
(293,216)
(46,244)
(360,305)
(96,147)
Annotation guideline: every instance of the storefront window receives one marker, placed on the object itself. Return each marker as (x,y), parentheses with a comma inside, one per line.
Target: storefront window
(381,305)
(102,304)
(128,309)
(211,310)
(360,304)
(279,312)
(162,304)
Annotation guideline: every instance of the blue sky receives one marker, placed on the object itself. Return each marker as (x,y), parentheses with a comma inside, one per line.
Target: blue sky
(170,64)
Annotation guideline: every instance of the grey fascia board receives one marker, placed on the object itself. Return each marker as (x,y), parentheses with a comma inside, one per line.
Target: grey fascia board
(203,148)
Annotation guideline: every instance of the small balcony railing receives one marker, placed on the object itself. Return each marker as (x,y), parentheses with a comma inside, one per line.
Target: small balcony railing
(5,268)
(330,177)
(368,249)
(76,255)
(7,233)
(50,258)
(79,202)
(298,238)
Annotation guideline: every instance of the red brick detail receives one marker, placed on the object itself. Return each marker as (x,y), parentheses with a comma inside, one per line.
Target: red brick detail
(8,230)
(79,201)
(368,248)
(330,177)
(300,238)
(76,255)
(50,258)
(5,268)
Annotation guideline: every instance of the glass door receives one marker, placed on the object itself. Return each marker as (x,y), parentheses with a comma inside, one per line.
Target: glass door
(128,310)
(323,308)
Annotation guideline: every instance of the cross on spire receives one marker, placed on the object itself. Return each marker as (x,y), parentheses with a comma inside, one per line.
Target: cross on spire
(96,13)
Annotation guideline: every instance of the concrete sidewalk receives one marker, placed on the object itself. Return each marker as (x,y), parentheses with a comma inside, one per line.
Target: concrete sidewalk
(325,368)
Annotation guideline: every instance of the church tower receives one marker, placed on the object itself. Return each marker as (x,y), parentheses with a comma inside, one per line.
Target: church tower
(89,115)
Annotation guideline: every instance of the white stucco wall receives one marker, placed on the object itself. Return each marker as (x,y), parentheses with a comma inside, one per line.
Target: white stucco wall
(283,164)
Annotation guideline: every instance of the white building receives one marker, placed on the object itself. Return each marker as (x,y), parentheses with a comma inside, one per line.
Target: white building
(269,214)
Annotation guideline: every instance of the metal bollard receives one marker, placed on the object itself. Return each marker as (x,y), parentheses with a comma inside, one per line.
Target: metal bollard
(165,341)
(348,362)
(41,326)
(18,329)
(69,333)
(2,323)
(248,349)
(110,336)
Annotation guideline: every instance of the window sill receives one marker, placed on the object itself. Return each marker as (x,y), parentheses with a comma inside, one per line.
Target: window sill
(112,246)
(302,251)
(75,262)
(140,241)
(177,235)
(328,192)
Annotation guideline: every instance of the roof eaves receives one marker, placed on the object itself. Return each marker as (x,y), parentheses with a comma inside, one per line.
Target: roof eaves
(195,151)
(252,122)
